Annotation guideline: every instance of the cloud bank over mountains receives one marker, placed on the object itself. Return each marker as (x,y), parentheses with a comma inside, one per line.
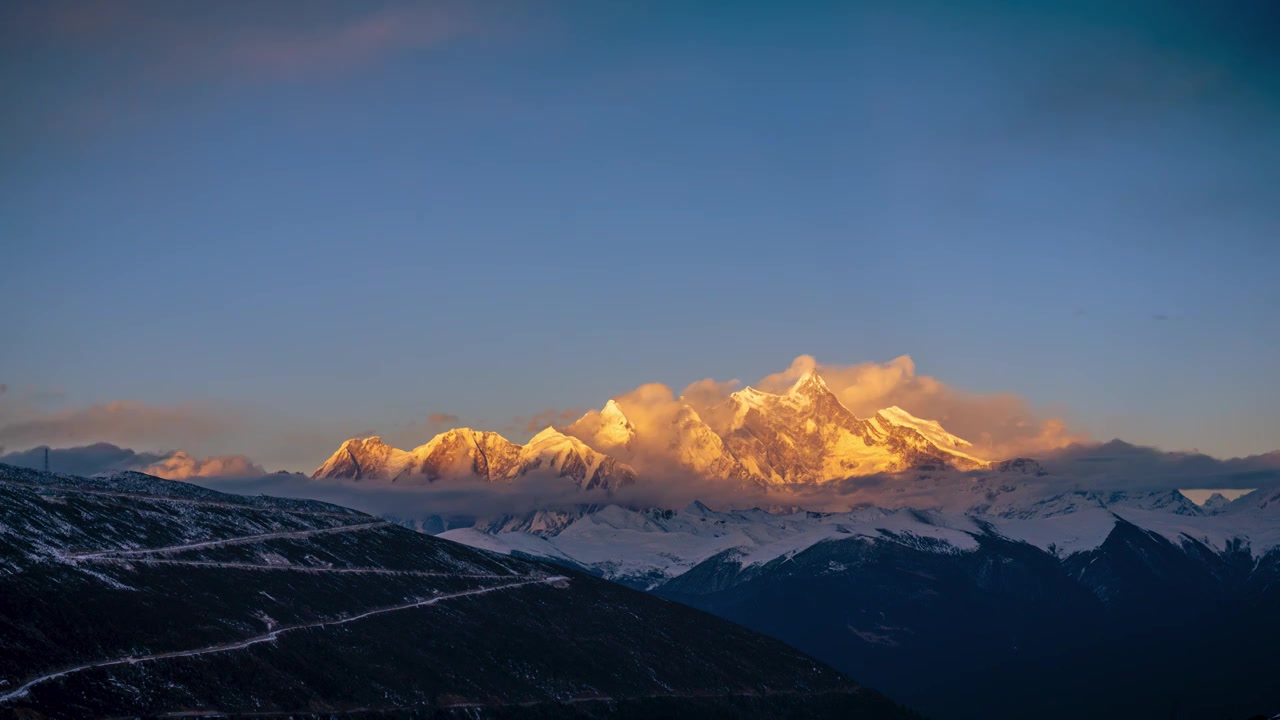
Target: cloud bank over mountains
(105,457)
(97,438)
(999,425)
(1108,466)
(1112,466)
(25,423)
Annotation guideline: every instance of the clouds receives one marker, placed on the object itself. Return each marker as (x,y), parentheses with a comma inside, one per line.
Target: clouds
(84,460)
(345,45)
(97,438)
(435,422)
(243,44)
(181,466)
(123,63)
(201,430)
(445,499)
(443,419)
(1113,466)
(105,457)
(707,392)
(550,418)
(1000,425)
(122,422)
(1117,464)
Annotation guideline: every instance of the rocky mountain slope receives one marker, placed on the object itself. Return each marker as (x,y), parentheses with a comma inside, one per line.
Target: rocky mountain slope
(132,596)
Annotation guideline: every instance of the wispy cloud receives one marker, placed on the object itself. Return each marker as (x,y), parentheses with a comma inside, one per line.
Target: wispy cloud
(244,42)
(442,419)
(550,417)
(182,466)
(416,432)
(101,65)
(350,44)
(31,417)
(122,421)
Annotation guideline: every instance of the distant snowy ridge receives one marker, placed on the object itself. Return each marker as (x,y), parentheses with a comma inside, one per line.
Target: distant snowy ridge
(648,547)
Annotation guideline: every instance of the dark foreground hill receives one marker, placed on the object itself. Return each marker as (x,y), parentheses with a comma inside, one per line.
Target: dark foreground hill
(134,596)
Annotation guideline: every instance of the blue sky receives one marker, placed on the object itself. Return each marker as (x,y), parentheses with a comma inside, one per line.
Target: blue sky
(324,218)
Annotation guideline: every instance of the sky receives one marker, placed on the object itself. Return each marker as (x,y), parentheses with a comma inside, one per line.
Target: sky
(261,229)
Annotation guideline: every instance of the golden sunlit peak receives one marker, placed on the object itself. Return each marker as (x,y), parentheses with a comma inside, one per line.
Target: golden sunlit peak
(808,382)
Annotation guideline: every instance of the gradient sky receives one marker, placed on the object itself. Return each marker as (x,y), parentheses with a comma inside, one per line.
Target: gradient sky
(323,218)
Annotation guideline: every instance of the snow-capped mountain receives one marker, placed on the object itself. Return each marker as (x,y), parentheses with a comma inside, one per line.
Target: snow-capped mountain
(808,436)
(752,438)
(645,548)
(1215,503)
(464,454)
(1010,575)
(648,547)
(609,429)
(682,442)
(932,430)
(699,449)
(799,437)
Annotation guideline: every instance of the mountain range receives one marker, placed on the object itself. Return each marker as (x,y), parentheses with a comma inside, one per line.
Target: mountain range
(802,437)
(464,453)
(965,586)
(1008,594)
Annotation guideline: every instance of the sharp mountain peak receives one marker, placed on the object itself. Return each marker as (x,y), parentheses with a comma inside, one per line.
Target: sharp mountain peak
(803,436)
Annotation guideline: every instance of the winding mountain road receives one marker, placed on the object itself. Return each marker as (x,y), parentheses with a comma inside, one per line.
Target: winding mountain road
(289,568)
(240,540)
(271,636)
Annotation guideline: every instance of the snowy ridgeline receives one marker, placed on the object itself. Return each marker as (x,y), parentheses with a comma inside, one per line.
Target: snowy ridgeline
(647,547)
(751,439)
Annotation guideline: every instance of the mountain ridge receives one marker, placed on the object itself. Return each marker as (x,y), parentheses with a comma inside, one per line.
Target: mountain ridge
(464,453)
(805,436)
(1024,585)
